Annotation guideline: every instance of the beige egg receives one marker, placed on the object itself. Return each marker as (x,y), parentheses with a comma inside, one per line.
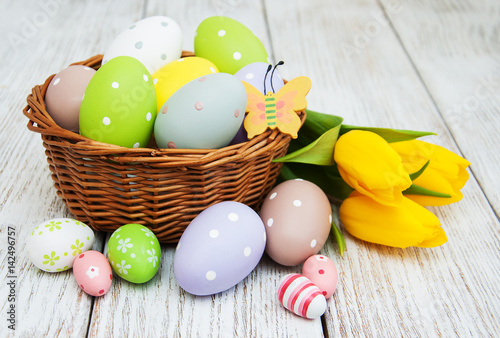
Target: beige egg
(297,215)
(65,94)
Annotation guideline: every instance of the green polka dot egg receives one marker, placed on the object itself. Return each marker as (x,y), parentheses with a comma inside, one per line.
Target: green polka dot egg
(54,244)
(119,104)
(227,43)
(134,253)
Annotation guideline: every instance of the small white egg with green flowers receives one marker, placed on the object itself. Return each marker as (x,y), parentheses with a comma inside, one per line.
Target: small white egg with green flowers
(54,244)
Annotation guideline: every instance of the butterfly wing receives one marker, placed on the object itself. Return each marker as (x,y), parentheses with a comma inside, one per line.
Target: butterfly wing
(255,122)
(289,99)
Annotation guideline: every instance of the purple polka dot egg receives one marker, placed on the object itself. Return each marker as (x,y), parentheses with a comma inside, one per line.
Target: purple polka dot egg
(205,113)
(219,248)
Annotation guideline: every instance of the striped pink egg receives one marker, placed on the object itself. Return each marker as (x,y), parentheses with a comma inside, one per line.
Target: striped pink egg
(299,295)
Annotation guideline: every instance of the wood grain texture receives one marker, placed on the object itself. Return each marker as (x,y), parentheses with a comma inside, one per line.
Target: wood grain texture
(401,64)
(47,304)
(360,71)
(455,46)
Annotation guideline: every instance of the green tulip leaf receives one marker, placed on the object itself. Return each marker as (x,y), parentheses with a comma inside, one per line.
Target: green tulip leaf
(318,152)
(416,174)
(315,125)
(321,123)
(390,135)
(339,238)
(418,190)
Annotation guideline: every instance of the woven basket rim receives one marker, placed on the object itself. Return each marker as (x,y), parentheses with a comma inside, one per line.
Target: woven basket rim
(41,122)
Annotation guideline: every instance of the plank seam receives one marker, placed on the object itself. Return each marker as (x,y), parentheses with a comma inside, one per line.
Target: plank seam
(431,97)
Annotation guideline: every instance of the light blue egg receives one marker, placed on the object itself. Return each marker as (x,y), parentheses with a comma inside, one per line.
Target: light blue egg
(205,113)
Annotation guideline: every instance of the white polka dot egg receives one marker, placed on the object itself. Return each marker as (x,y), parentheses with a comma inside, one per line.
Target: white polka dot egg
(154,41)
(219,248)
(297,215)
(119,106)
(228,44)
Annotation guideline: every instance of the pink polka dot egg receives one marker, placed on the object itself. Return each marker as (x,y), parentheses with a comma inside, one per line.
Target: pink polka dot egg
(92,272)
(322,271)
(205,113)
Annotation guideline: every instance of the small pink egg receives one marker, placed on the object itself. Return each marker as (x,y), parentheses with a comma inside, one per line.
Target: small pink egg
(93,273)
(299,295)
(322,271)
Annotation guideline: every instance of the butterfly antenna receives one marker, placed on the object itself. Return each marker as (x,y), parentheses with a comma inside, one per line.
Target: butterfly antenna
(272,73)
(267,72)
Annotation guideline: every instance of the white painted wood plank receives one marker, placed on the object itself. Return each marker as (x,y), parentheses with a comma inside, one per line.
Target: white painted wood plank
(189,14)
(455,46)
(46,304)
(368,79)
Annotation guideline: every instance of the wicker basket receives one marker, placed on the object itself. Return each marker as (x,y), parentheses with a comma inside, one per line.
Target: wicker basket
(106,186)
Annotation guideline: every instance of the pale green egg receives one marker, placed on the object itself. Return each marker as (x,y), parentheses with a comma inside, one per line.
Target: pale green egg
(227,43)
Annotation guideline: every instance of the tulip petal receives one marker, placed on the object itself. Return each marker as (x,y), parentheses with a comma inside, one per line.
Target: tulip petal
(446,172)
(408,224)
(370,166)
(434,179)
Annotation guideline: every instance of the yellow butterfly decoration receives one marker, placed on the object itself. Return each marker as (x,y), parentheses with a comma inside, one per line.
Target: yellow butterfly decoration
(276,110)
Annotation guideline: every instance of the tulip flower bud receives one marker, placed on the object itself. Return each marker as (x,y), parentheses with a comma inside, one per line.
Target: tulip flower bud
(445,174)
(370,166)
(408,224)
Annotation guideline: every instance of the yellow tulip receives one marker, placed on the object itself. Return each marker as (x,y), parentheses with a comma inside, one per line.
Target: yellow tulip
(408,224)
(370,166)
(446,172)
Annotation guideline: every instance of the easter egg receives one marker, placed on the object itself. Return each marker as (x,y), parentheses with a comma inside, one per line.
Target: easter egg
(205,113)
(54,244)
(299,295)
(134,253)
(92,273)
(297,215)
(119,106)
(176,74)
(229,44)
(322,271)
(241,135)
(154,41)
(255,74)
(219,248)
(65,93)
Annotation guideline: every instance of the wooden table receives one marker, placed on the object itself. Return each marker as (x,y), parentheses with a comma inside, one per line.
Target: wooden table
(424,65)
